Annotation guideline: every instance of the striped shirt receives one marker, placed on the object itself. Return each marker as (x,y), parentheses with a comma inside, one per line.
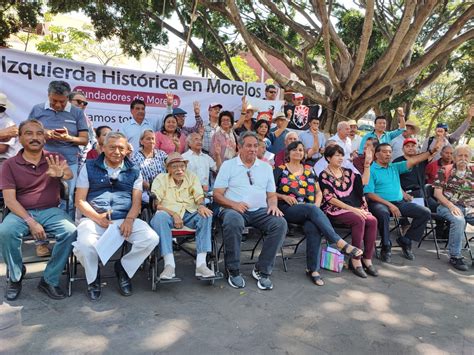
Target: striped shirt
(150,167)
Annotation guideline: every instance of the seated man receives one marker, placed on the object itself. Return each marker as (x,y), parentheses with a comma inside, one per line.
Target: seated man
(454,189)
(31,183)
(199,162)
(109,191)
(432,169)
(245,189)
(386,199)
(180,202)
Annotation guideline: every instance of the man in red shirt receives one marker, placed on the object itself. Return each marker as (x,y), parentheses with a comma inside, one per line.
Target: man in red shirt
(31,183)
(432,169)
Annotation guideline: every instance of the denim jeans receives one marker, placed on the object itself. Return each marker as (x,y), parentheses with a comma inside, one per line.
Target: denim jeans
(54,221)
(233,224)
(315,225)
(162,223)
(456,229)
(71,187)
(420,215)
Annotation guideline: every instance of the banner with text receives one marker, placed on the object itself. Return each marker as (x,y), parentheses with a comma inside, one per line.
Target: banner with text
(24,78)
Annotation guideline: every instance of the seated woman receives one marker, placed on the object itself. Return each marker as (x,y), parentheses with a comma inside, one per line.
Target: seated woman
(262,128)
(150,160)
(100,133)
(169,139)
(299,198)
(344,203)
(263,154)
(224,141)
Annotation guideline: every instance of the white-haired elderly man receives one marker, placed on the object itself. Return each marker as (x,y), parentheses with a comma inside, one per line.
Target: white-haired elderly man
(343,139)
(199,162)
(290,137)
(109,191)
(454,189)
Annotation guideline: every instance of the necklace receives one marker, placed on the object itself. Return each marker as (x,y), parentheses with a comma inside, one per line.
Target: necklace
(295,170)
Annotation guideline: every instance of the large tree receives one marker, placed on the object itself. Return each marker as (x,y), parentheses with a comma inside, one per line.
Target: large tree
(370,55)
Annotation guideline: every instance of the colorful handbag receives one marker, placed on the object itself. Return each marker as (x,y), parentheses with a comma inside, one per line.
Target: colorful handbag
(332,259)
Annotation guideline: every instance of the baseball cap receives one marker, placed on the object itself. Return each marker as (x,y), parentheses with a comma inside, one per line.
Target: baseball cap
(215,104)
(178,111)
(298,95)
(442,125)
(409,140)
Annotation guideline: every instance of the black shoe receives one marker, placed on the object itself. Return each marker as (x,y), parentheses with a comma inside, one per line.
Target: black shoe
(359,271)
(125,285)
(53,292)
(14,288)
(406,249)
(458,263)
(94,289)
(370,270)
(386,254)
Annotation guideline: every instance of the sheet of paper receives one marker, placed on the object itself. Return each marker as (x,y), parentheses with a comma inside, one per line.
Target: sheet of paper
(109,243)
(418,201)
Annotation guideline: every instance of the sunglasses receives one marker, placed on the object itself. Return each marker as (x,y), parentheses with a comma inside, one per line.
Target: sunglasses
(80,102)
(250,177)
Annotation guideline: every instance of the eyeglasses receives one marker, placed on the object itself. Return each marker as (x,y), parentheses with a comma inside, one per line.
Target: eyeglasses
(80,102)
(250,177)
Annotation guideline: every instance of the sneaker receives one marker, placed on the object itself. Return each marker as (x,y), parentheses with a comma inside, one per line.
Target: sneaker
(167,273)
(263,280)
(42,250)
(236,280)
(204,271)
(458,263)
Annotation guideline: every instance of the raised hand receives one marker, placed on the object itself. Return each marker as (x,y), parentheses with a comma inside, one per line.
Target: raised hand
(197,108)
(244,104)
(470,112)
(55,167)
(169,99)
(369,157)
(400,111)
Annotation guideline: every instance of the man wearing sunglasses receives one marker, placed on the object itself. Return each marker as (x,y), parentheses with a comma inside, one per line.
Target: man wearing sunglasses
(271,92)
(245,189)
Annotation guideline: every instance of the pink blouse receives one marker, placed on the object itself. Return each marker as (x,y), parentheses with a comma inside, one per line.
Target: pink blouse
(166,144)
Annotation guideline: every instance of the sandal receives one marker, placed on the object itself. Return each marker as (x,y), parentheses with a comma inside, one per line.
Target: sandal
(316,279)
(355,252)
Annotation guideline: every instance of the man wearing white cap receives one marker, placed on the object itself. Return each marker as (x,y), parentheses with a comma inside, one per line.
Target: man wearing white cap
(355,138)
(411,129)
(298,112)
(211,127)
(10,146)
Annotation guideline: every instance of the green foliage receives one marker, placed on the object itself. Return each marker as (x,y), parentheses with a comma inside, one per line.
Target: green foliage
(245,72)
(64,42)
(15,15)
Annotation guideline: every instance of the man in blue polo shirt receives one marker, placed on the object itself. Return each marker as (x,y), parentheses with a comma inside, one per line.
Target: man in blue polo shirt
(245,189)
(385,197)
(65,128)
(134,127)
(379,130)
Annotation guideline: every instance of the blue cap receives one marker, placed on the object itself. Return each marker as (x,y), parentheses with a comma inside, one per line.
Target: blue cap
(179,111)
(442,125)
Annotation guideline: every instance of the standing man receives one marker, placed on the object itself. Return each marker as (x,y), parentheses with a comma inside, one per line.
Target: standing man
(278,133)
(355,138)
(245,189)
(379,130)
(313,141)
(385,199)
(454,189)
(31,184)
(271,92)
(211,126)
(65,129)
(343,140)
(180,115)
(134,127)
(298,113)
(398,142)
(10,147)
(109,191)
(442,129)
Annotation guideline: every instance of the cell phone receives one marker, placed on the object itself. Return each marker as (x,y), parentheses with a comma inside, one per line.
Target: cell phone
(60,130)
